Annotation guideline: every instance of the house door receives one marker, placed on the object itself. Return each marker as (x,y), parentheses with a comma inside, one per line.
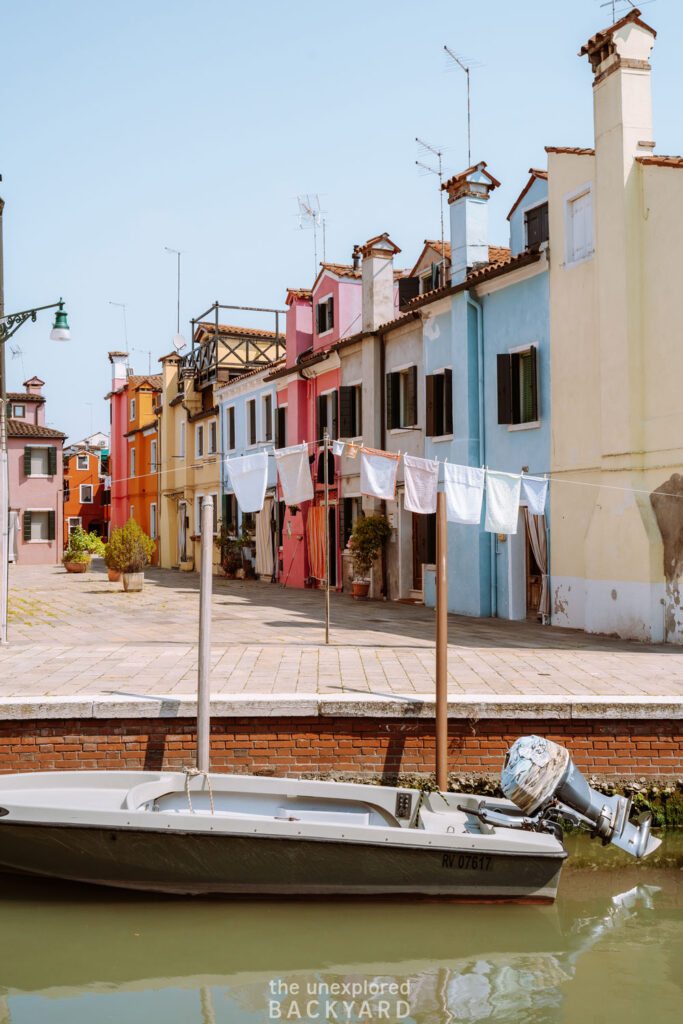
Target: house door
(424,546)
(534,582)
(182,531)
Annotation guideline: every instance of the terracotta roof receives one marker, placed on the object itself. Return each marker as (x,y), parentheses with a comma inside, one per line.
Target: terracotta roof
(340,269)
(533,175)
(24,396)
(575,150)
(240,332)
(498,254)
(155,380)
(309,358)
(34,380)
(435,243)
(372,242)
(602,37)
(251,373)
(396,322)
(475,277)
(457,178)
(661,161)
(17,428)
(298,293)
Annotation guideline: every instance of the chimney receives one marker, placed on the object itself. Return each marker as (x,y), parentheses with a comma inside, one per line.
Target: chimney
(468,194)
(356,257)
(118,369)
(378,281)
(34,386)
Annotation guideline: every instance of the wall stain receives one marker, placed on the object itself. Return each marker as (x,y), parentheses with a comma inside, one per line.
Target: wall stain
(667,504)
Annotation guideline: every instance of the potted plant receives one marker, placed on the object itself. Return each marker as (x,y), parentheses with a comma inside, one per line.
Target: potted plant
(129,550)
(369,535)
(81,547)
(229,546)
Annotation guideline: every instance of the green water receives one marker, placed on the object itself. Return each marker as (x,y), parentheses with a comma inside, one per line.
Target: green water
(610,950)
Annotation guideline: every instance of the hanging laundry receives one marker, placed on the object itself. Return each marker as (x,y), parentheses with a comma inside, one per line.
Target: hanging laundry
(294,473)
(502,501)
(464,487)
(248,475)
(107,483)
(421,477)
(378,471)
(534,493)
(352,450)
(315,541)
(338,447)
(330,467)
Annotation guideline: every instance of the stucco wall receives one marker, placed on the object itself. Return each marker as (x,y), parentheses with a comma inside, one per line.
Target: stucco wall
(39,493)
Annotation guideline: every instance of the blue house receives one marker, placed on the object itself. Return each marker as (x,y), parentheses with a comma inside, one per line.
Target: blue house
(487,385)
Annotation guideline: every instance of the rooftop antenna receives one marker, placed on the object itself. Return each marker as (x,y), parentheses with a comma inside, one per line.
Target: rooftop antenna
(18,353)
(148,353)
(122,306)
(466,67)
(438,153)
(309,216)
(178,253)
(615,4)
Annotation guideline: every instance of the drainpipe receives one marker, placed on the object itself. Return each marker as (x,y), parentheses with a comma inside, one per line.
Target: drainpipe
(383,444)
(478,308)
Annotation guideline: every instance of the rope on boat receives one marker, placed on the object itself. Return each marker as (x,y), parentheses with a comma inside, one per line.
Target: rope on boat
(190,773)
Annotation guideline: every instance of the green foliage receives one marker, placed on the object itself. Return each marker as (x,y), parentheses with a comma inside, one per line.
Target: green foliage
(370,534)
(129,549)
(231,546)
(82,545)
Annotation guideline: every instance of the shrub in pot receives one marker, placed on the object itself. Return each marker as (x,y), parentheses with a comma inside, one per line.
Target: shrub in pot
(368,537)
(128,552)
(81,547)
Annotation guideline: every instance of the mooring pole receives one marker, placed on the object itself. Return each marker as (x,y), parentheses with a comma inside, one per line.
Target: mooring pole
(326,442)
(204,653)
(441,645)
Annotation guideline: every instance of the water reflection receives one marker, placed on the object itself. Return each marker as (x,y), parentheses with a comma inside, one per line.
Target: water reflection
(610,949)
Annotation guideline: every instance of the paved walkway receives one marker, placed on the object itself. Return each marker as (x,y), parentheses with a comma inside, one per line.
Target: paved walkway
(81,636)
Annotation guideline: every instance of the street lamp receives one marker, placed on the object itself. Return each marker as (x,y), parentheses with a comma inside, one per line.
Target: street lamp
(9,325)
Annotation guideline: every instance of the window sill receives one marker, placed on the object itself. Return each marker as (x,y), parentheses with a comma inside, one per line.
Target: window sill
(40,476)
(532,425)
(39,540)
(568,264)
(403,430)
(440,438)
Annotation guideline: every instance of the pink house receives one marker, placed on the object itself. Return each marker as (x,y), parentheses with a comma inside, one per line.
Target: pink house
(35,479)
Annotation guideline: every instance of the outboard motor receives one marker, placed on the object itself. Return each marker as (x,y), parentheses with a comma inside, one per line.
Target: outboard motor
(541,778)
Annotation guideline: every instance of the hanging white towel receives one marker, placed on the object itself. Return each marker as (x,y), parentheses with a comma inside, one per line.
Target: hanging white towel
(464,487)
(337,447)
(248,475)
(378,471)
(534,493)
(107,483)
(294,471)
(502,501)
(421,478)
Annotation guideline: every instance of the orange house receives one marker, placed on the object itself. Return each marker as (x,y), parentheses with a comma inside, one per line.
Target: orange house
(144,456)
(86,502)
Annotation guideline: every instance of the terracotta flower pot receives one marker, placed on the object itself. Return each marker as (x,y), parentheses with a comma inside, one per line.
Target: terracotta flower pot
(360,588)
(133,581)
(114,575)
(76,566)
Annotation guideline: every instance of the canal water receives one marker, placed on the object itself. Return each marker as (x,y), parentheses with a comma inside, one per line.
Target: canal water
(609,950)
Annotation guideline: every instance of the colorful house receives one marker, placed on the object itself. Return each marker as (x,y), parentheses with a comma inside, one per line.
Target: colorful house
(35,479)
(616,219)
(86,497)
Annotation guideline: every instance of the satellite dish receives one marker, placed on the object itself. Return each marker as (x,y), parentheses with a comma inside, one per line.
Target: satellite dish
(179,342)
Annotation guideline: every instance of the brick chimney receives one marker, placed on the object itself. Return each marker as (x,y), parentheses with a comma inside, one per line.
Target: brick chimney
(378,281)
(34,386)
(468,194)
(119,373)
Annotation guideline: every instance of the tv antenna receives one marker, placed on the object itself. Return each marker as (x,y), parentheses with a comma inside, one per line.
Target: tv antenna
(438,153)
(178,335)
(467,66)
(616,4)
(309,217)
(147,352)
(122,306)
(18,353)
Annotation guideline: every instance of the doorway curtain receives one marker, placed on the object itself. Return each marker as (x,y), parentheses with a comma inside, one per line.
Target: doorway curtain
(315,541)
(535,528)
(264,539)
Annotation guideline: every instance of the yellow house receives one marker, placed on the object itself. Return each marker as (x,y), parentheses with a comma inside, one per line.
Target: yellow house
(616,220)
(191,443)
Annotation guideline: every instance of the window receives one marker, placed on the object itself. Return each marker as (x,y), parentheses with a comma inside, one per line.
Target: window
(251,421)
(518,386)
(18,411)
(281,427)
(536,225)
(132,511)
(40,461)
(324,315)
(267,414)
(153,456)
(213,438)
(439,404)
(182,439)
(351,411)
(429,280)
(82,461)
(132,408)
(230,442)
(39,525)
(85,496)
(153,520)
(578,226)
(198,520)
(67,490)
(132,462)
(106,496)
(327,415)
(401,397)
(74,523)
(199,440)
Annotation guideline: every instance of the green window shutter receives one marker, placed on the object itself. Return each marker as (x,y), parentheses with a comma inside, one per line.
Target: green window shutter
(346,410)
(393,386)
(411,397)
(448,401)
(52,461)
(27,461)
(430,426)
(533,381)
(330,313)
(51,525)
(529,399)
(27,525)
(504,368)
(335,415)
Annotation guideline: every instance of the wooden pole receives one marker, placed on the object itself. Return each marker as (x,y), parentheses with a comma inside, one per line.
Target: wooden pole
(204,654)
(441,645)
(326,443)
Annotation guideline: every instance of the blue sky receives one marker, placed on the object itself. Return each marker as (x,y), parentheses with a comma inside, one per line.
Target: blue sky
(129,126)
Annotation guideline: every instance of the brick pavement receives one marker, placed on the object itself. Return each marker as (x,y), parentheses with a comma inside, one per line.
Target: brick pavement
(79,636)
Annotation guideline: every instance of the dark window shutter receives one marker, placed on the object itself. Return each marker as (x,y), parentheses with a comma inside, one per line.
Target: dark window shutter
(320,476)
(280,427)
(411,397)
(408,288)
(504,368)
(252,423)
(318,318)
(448,401)
(358,412)
(534,382)
(335,415)
(330,313)
(52,461)
(435,275)
(346,410)
(268,406)
(321,416)
(224,510)
(27,525)
(27,461)
(430,426)
(51,525)
(393,411)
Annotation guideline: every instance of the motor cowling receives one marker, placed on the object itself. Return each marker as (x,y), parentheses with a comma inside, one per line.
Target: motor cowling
(538,773)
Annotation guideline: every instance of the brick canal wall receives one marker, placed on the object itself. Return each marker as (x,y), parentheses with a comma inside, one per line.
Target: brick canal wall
(337,745)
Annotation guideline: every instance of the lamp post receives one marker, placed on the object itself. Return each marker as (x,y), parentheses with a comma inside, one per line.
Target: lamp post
(9,325)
